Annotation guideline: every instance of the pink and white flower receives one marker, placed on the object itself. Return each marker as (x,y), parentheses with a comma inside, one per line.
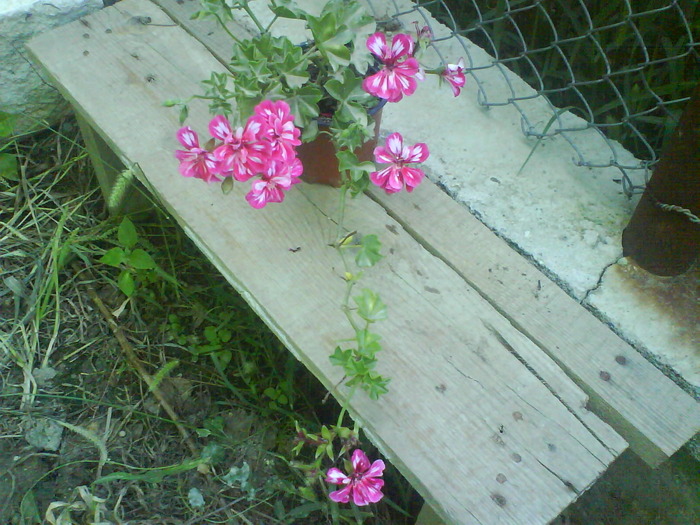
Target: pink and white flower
(242,153)
(195,161)
(280,176)
(278,128)
(363,484)
(454,74)
(399,174)
(400,70)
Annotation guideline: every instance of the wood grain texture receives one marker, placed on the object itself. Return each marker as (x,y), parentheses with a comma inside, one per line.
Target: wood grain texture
(650,411)
(485,426)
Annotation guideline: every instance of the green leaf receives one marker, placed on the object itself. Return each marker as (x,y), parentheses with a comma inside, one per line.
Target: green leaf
(331,39)
(287,9)
(368,343)
(8,167)
(224,357)
(225,335)
(127,233)
(114,257)
(126,283)
(310,131)
(376,386)
(348,161)
(141,260)
(369,306)
(304,105)
(340,357)
(211,333)
(227,185)
(184,113)
(7,124)
(368,255)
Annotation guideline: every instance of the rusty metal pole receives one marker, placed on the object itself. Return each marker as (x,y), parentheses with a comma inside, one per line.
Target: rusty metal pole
(662,236)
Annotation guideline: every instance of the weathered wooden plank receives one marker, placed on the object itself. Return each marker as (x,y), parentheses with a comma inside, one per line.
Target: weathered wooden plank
(473,429)
(650,411)
(639,401)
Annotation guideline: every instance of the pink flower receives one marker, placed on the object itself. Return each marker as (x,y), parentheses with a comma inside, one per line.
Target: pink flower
(278,128)
(400,70)
(394,177)
(242,154)
(454,74)
(271,186)
(363,484)
(195,161)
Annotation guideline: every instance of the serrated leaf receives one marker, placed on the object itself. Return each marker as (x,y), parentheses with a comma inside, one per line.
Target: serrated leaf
(114,257)
(127,233)
(368,343)
(331,39)
(340,356)
(304,105)
(141,260)
(369,306)
(368,254)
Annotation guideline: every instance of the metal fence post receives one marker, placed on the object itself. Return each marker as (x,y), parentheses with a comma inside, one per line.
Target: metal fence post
(663,236)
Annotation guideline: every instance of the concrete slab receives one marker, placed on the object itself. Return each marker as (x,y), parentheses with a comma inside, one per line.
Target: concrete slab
(23,92)
(660,315)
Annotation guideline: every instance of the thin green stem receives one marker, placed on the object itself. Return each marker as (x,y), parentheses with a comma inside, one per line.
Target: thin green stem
(228,31)
(254,18)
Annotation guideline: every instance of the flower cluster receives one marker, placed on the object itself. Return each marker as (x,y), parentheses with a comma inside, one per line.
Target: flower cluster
(265,147)
(363,484)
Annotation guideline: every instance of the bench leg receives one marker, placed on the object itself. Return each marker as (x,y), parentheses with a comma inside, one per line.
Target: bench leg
(109,169)
(427,516)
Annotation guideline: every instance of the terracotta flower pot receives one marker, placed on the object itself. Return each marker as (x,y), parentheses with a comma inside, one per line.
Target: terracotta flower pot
(318,156)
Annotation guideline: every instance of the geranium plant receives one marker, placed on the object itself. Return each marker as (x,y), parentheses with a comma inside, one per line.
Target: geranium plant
(278,94)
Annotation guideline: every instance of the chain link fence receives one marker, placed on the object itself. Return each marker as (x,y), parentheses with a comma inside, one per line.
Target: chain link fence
(626,68)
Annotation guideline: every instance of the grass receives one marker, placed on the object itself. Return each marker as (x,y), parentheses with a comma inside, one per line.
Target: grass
(88,372)
(652,72)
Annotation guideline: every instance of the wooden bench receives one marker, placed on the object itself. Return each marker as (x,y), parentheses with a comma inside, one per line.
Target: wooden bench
(503,401)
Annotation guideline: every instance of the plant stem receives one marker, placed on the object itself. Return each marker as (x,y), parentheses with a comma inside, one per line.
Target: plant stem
(254,18)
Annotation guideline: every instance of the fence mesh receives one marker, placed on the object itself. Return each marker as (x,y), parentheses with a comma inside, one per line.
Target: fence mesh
(626,68)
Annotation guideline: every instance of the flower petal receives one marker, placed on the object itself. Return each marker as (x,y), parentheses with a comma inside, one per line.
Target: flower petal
(376,44)
(402,44)
(336,476)
(360,463)
(342,495)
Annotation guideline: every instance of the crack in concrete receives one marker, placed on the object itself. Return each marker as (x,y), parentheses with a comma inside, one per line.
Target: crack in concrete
(584,300)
